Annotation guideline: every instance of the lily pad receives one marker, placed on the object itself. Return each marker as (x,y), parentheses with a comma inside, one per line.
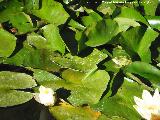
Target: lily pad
(10,81)
(121,104)
(13,80)
(13,97)
(8,43)
(82,86)
(85,64)
(52,12)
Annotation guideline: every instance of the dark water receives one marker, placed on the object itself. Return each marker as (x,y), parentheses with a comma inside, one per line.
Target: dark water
(28,111)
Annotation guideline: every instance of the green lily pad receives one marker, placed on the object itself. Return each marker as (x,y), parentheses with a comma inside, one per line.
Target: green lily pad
(12,8)
(13,80)
(52,12)
(125,23)
(82,86)
(54,40)
(121,104)
(34,58)
(10,81)
(139,41)
(101,32)
(143,49)
(132,14)
(22,22)
(8,43)
(85,64)
(91,18)
(150,6)
(145,70)
(13,97)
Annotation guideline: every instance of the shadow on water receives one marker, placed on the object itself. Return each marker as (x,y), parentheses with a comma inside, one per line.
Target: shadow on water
(27,111)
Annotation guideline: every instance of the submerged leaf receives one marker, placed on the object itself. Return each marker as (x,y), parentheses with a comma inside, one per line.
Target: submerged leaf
(69,112)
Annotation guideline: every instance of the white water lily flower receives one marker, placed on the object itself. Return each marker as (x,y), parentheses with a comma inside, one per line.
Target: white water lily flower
(149,106)
(46,96)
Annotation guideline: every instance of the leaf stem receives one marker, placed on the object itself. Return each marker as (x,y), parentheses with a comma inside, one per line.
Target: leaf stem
(138,81)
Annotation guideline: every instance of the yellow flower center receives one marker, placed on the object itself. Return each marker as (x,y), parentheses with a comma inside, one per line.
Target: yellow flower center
(152,107)
(155,117)
(46,92)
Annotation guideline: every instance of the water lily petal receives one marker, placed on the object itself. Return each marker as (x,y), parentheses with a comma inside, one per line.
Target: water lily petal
(138,101)
(47,99)
(144,113)
(148,105)
(156,97)
(36,97)
(41,88)
(156,93)
(46,96)
(147,97)
(45,90)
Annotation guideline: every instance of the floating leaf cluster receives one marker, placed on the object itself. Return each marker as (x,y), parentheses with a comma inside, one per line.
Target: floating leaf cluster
(99,53)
